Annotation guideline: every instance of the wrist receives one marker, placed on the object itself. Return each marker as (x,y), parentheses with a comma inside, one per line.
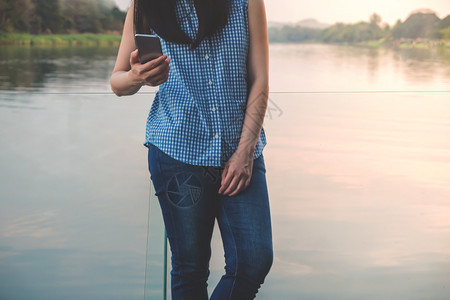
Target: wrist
(134,82)
(246,149)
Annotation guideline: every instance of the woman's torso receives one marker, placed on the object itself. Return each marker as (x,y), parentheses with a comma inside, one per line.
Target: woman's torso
(197,114)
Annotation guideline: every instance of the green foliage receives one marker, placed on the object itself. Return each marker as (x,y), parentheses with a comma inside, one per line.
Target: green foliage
(47,16)
(445,22)
(375,19)
(60,16)
(100,16)
(351,33)
(445,33)
(338,33)
(15,15)
(418,25)
(292,34)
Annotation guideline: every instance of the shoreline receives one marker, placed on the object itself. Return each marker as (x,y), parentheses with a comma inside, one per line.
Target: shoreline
(78,39)
(393,44)
(113,39)
(407,44)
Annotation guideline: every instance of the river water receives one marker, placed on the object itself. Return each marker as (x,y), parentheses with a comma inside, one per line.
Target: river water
(357,160)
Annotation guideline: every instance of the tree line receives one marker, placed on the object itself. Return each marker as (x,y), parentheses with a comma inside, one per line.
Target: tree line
(60,16)
(99,16)
(417,25)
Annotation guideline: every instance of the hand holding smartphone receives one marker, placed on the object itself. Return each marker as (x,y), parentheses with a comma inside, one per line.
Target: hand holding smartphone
(149,47)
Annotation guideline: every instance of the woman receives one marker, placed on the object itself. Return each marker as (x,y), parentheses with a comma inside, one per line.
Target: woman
(204,135)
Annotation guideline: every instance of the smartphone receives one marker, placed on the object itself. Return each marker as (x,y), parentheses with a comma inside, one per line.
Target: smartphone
(149,47)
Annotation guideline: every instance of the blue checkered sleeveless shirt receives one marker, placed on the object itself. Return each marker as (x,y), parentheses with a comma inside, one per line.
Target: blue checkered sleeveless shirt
(197,114)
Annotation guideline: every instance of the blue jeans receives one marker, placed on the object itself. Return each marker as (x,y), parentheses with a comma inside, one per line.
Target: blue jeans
(190,203)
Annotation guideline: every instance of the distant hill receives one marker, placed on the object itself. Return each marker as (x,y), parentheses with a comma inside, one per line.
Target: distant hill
(312,23)
(273,24)
(422,11)
(307,23)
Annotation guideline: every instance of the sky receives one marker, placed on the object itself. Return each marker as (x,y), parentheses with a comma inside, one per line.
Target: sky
(347,11)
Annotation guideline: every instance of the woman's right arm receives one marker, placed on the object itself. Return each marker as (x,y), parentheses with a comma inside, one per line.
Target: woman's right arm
(129,75)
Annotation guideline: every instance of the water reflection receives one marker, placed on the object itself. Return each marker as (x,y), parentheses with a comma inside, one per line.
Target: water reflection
(330,68)
(38,68)
(364,209)
(312,68)
(73,176)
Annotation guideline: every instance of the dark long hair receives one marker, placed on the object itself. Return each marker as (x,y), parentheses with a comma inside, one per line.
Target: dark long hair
(160,16)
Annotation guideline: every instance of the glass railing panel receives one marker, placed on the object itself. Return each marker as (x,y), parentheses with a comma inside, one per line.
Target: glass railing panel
(358,184)
(359,187)
(158,255)
(74,198)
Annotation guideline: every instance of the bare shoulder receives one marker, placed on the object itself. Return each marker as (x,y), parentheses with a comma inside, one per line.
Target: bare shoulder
(254,3)
(256,10)
(258,55)
(257,14)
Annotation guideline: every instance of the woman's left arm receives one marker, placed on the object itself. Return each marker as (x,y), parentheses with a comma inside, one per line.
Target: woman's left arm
(237,173)
(258,77)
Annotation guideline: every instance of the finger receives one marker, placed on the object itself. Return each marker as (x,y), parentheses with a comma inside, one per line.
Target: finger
(247,183)
(134,57)
(151,64)
(239,188)
(232,186)
(161,69)
(160,80)
(225,180)
(156,75)
(164,79)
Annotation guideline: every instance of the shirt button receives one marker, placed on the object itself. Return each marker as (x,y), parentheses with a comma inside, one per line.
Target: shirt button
(216,135)
(210,82)
(206,56)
